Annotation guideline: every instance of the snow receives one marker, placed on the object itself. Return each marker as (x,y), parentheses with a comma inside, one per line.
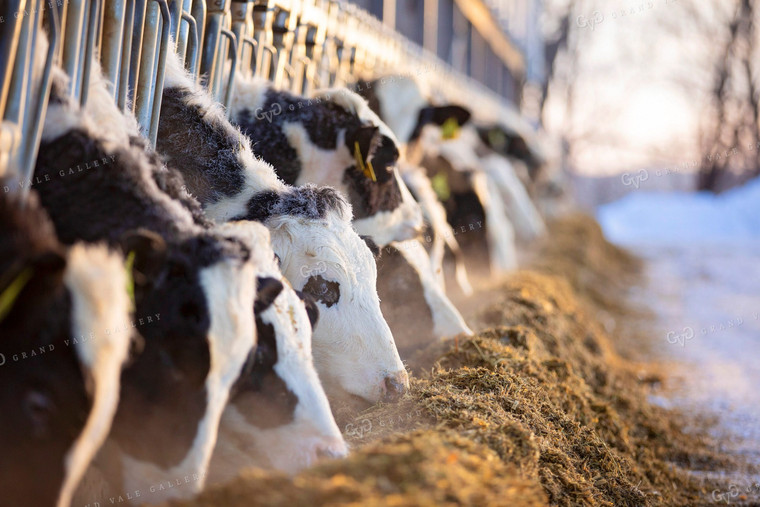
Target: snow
(672,217)
(703,267)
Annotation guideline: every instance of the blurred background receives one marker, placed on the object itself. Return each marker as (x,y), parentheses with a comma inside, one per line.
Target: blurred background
(670,86)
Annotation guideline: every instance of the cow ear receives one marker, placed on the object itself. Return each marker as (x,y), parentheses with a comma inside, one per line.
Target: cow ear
(146,253)
(312,310)
(442,114)
(267,290)
(448,116)
(362,139)
(372,246)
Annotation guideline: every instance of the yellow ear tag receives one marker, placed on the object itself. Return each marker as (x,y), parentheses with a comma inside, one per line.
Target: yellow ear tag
(367,168)
(9,295)
(129,263)
(440,184)
(450,128)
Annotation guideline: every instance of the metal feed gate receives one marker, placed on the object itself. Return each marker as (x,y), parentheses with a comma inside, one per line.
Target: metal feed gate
(300,45)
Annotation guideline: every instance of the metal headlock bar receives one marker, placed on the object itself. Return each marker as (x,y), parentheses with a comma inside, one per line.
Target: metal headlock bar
(300,45)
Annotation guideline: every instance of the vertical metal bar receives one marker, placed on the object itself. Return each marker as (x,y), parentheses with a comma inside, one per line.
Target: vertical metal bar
(8,47)
(199,13)
(211,50)
(184,32)
(145,85)
(389,13)
(138,35)
(175,14)
(231,80)
(73,42)
(160,71)
(194,45)
(263,12)
(242,27)
(126,55)
(90,49)
(113,38)
(33,127)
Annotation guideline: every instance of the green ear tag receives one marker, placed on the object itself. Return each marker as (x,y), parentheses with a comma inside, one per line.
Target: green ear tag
(440,183)
(10,294)
(129,263)
(450,128)
(367,168)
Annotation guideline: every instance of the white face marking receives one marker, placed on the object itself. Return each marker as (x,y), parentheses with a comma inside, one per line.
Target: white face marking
(293,446)
(229,289)
(96,280)
(318,165)
(354,350)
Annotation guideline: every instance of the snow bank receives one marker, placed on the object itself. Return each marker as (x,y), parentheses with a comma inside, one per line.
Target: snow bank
(666,217)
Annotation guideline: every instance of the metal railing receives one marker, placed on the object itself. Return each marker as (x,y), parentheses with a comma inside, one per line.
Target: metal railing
(300,45)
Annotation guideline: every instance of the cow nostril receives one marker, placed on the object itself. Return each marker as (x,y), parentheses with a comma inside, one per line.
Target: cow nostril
(395,387)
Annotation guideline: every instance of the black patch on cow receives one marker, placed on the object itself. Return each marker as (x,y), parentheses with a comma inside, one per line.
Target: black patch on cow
(204,151)
(438,115)
(402,301)
(312,310)
(510,144)
(372,246)
(171,182)
(368,197)
(326,292)
(309,201)
(95,203)
(165,387)
(263,397)
(43,400)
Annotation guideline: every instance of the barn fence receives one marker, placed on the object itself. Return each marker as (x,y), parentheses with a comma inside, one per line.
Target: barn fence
(300,45)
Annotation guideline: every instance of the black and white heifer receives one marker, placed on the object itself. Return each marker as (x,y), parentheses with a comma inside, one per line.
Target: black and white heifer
(332,139)
(64,336)
(474,206)
(193,291)
(278,416)
(277,404)
(312,234)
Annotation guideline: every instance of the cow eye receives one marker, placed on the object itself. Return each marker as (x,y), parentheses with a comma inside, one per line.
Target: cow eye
(324,291)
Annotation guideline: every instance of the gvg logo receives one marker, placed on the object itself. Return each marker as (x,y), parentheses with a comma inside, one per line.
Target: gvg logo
(635,179)
(319,268)
(681,337)
(590,22)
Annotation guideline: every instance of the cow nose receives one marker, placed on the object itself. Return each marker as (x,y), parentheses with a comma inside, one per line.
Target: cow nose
(395,386)
(330,453)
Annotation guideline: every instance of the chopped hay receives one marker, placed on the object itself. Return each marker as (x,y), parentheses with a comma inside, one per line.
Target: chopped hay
(539,409)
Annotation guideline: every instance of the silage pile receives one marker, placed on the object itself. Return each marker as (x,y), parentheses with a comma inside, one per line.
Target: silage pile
(538,409)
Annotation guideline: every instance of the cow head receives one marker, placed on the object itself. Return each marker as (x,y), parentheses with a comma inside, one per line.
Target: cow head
(323,256)
(278,415)
(61,354)
(331,139)
(198,293)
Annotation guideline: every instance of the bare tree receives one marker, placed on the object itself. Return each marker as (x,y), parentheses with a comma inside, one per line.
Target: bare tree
(731,141)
